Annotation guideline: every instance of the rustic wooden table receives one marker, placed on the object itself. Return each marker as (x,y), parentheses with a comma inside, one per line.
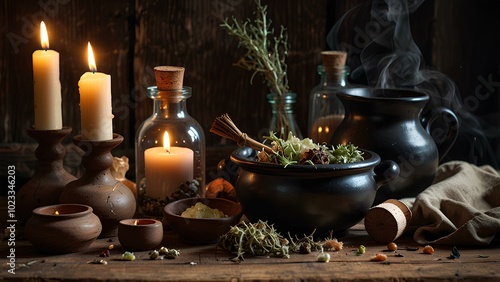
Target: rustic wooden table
(208,263)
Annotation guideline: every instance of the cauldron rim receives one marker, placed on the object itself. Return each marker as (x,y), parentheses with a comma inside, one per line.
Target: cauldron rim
(383,94)
(245,157)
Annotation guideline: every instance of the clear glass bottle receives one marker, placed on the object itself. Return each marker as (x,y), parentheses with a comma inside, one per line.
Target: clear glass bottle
(168,169)
(326,111)
(283,119)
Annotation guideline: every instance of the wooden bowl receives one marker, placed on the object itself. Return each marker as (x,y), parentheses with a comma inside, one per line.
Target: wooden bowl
(202,230)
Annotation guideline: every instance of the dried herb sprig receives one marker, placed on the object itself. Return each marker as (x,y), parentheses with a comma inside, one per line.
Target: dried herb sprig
(258,239)
(305,244)
(266,52)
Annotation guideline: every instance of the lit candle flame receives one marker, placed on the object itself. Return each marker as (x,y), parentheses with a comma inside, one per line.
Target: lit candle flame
(92,65)
(166,142)
(135,222)
(56,213)
(44,36)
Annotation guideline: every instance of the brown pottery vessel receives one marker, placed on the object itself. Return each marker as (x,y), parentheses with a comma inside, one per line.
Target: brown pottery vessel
(110,199)
(63,228)
(140,234)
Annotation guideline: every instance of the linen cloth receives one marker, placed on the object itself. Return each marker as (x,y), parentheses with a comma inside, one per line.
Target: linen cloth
(461,207)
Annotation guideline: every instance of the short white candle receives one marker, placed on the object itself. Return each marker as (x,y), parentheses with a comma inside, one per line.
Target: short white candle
(95,103)
(47,87)
(167,168)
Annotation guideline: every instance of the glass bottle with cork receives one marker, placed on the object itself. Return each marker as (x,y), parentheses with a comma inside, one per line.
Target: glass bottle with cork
(326,111)
(170,146)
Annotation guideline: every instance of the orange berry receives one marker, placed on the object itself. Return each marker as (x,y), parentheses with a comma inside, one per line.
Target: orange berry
(428,250)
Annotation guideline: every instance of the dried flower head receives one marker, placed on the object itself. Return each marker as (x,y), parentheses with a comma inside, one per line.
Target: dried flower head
(332,243)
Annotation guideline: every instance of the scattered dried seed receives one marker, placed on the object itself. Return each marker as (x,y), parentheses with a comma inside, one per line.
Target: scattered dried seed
(483,256)
(412,249)
(361,250)
(172,254)
(128,256)
(154,255)
(428,250)
(392,246)
(104,253)
(110,247)
(324,257)
(379,257)
(163,251)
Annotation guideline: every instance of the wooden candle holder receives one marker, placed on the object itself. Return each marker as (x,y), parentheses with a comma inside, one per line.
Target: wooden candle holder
(45,187)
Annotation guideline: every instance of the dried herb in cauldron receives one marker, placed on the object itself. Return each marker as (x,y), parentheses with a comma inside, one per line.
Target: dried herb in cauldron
(304,151)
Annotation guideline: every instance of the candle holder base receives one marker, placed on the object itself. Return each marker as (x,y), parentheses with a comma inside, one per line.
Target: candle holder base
(110,199)
(45,187)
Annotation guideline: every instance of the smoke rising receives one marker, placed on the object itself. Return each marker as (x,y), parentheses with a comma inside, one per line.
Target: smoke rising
(382,53)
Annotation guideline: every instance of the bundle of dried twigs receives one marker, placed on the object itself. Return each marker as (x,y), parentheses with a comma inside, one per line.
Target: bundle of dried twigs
(225,127)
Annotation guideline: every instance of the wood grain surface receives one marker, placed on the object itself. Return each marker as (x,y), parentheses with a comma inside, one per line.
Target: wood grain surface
(208,263)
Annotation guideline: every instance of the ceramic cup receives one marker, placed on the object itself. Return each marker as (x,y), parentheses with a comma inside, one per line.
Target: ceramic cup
(140,234)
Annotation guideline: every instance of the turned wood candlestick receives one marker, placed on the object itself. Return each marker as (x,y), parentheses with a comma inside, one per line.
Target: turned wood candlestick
(111,200)
(45,187)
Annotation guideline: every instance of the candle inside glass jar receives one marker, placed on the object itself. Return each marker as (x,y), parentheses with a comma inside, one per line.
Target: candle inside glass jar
(167,167)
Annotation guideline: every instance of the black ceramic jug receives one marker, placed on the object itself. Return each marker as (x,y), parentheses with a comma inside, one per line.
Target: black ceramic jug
(389,122)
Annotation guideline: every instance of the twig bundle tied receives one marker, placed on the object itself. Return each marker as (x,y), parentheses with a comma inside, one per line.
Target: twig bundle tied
(225,127)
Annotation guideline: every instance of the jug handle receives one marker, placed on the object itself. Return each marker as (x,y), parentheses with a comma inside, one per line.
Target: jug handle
(444,139)
(385,172)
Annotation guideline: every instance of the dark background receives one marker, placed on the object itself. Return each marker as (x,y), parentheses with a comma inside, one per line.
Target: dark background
(457,38)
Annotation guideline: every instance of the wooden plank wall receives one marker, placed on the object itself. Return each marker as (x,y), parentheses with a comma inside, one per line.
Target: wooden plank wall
(130,37)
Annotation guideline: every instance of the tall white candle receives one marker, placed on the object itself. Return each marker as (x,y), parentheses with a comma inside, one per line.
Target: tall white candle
(95,103)
(167,168)
(47,87)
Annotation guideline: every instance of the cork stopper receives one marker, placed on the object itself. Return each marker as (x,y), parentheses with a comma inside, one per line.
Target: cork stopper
(334,59)
(334,62)
(169,77)
(387,221)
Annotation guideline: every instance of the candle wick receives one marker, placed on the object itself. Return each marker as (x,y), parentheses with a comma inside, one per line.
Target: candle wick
(168,151)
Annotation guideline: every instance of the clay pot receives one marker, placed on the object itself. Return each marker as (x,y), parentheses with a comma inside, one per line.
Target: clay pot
(303,198)
(389,122)
(140,234)
(110,199)
(72,230)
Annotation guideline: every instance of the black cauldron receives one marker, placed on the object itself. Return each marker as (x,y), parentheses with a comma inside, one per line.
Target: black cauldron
(300,199)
